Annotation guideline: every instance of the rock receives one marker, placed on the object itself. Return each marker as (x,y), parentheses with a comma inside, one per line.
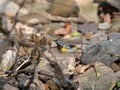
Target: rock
(104,51)
(26,18)
(3,4)
(3,81)
(87,27)
(89,12)
(64,19)
(115,3)
(4,46)
(12,8)
(66,62)
(63,8)
(115,67)
(117,74)
(40,6)
(51,27)
(45,68)
(33,21)
(9,87)
(6,24)
(8,59)
(115,25)
(25,29)
(89,81)
(104,26)
(84,2)
(98,37)
(113,36)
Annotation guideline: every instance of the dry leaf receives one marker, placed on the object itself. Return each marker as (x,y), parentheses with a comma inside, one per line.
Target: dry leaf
(81,68)
(64,31)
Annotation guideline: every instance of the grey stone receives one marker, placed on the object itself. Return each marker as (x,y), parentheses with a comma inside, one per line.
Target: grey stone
(104,51)
(115,3)
(100,36)
(113,36)
(8,59)
(89,80)
(88,27)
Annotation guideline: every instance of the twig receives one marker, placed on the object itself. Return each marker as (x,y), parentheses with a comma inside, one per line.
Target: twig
(22,64)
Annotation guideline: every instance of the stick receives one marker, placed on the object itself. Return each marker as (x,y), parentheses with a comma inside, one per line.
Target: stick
(22,64)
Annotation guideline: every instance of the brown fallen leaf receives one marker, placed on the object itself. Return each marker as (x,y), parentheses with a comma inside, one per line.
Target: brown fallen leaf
(65,30)
(81,68)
